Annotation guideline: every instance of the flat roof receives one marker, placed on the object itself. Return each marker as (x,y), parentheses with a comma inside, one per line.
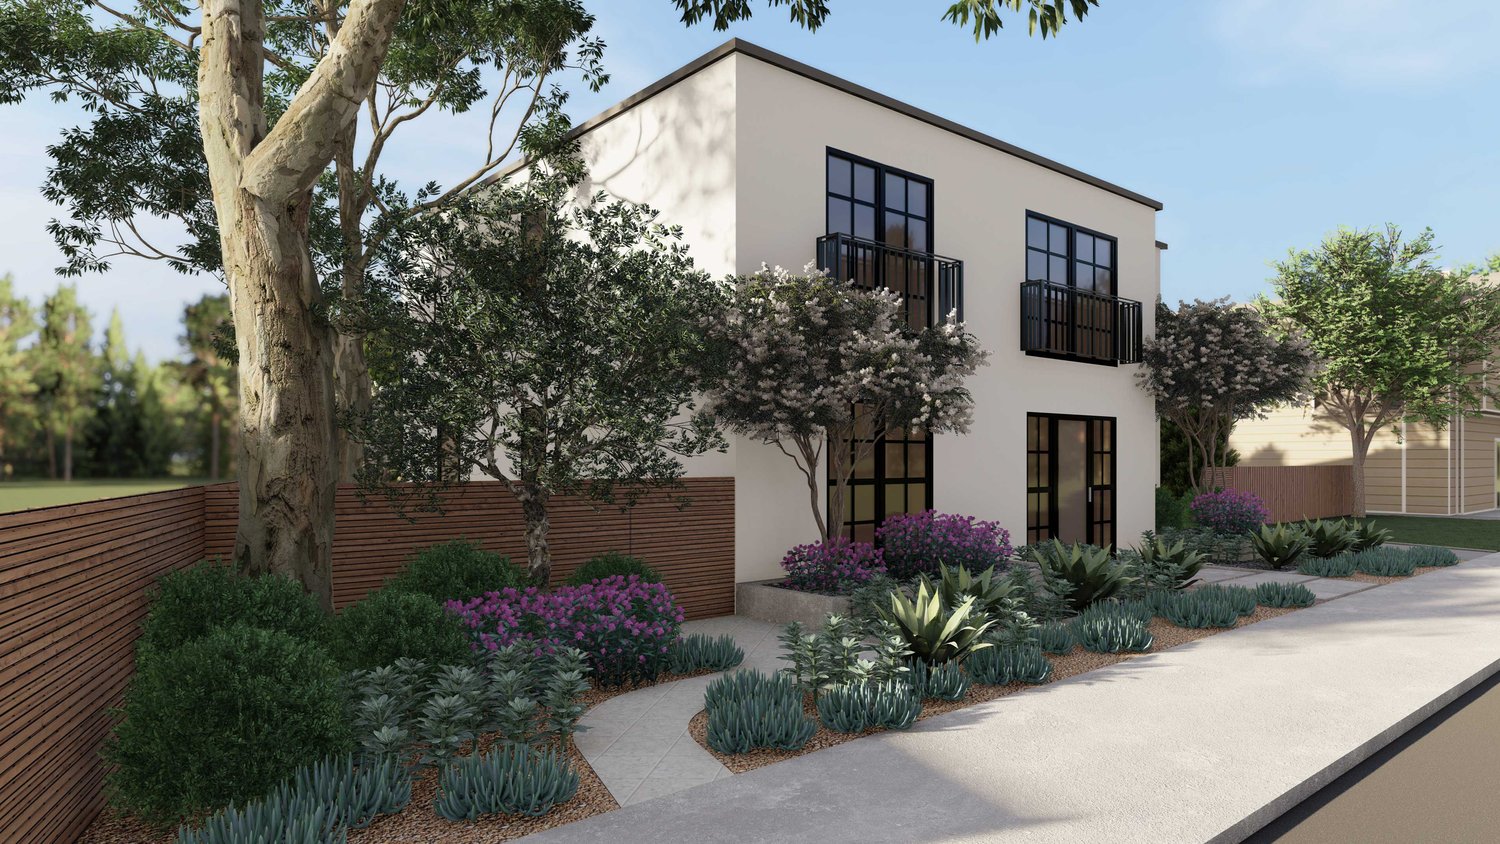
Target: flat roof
(755,51)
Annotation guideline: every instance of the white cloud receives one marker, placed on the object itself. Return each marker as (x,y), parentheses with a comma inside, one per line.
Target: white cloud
(1365,43)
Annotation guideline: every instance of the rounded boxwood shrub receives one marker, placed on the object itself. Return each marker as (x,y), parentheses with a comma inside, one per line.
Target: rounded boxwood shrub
(610,564)
(455,571)
(224,717)
(191,603)
(390,624)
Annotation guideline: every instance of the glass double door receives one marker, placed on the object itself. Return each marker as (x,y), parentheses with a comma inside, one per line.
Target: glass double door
(1070,478)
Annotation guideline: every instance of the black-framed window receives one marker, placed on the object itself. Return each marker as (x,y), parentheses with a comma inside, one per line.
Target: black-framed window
(1063,253)
(1070,478)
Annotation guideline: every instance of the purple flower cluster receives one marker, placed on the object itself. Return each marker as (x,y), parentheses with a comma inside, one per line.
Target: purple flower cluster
(1230,511)
(834,566)
(622,624)
(915,543)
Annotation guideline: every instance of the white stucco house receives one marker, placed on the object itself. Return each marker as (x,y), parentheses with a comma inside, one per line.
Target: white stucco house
(763,159)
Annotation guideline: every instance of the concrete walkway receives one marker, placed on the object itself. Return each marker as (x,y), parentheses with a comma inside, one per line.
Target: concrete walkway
(1204,742)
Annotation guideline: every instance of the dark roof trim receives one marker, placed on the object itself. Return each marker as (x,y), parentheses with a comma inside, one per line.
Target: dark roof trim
(1161,245)
(735,45)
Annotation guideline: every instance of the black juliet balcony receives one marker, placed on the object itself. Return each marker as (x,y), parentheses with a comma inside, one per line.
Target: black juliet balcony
(931,285)
(1074,323)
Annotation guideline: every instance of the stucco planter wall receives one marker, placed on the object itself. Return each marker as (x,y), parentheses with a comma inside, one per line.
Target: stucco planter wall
(763,600)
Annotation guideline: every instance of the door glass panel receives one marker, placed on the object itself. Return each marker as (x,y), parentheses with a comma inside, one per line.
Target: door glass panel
(895,460)
(864,503)
(1072,480)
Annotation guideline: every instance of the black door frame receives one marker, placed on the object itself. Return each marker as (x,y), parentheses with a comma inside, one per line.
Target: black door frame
(1090,446)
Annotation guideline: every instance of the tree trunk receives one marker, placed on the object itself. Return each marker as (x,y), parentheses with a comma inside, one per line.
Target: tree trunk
(538,553)
(1361,449)
(216,422)
(351,372)
(351,378)
(51,454)
(68,454)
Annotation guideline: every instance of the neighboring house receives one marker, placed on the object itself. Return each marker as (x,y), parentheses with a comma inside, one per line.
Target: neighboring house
(762,159)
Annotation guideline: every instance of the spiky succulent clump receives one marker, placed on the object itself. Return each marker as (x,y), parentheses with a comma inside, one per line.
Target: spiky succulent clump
(1432,555)
(1140,609)
(1240,597)
(944,681)
(1279,545)
(1284,595)
(934,632)
(1157,600)
(697,652)
(1366,536)
(1386,562)
(1110,628)
(856,707)
(748,710)
(1091,571)
(1056,638)
(1328,538)
(1009,664)
(1339,565)
(1199,609)
(511,779)
(1167,565)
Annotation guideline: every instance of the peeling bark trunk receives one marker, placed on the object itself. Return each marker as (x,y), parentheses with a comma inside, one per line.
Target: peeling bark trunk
(351,372)
(538,553)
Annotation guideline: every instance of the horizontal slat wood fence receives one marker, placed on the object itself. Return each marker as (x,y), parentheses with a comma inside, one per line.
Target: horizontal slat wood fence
(1292,493)
(74,582)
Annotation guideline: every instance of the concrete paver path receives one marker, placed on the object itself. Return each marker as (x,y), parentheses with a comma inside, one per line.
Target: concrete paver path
(1203,742)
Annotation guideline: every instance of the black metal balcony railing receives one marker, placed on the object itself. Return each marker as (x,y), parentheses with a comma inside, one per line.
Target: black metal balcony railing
(1057,319)
(931,285)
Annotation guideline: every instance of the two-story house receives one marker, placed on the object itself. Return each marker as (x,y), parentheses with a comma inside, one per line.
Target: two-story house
(762,159)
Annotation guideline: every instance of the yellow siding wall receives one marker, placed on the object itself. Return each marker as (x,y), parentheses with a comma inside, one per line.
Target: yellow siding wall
(1478,434)
(1290,436)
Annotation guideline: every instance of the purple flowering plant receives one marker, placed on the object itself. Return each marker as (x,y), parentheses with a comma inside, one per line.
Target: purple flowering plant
(622,624)
(834,566)
(916,543)
(1230,511)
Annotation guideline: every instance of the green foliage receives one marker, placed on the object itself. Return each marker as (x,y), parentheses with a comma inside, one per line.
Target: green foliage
(1328,538)
(1092,572)
(1367,536)
(1340,565)
(17,386)
(1142,609)
(1111,628)
(933,632)
(1284,595)
(1044,597)
(1239,597)
(1198,609)
(1010,664)
(857,707)
(982,16)
(1432,555)
(390,624)
(697,652)
(455,571)
(1056,638)
(1385,562)
(1166,565)
(1279,545)
(943,680)
(892,654)
(749,710)
(510,779)
(992,595)
(562,693)
(223,718)
(829,657)
(613,563)
(191,603)
(867,601)
(1172,508)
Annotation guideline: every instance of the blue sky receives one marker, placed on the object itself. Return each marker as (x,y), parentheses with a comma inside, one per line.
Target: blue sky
(1260,124)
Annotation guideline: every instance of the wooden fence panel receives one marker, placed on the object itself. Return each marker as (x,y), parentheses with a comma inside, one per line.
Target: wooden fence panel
(73,587)
(1292,493)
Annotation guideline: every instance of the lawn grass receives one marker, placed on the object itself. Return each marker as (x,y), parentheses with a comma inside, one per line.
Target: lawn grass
(29,494)
(1481,534)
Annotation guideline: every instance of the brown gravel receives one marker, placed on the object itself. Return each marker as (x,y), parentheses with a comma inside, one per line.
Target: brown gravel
(1167,635)
(1371,578)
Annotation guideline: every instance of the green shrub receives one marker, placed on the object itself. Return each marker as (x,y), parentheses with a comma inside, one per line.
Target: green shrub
(868,599)
(1366,536)
(1110,628)
(223,718)
(390,624)
(1172,510)
(703,653)
(1385,562)
(857,707)
(455,571)
(828,657)
(510,780)
(935,633)
(1092,572)
(1279,545)
(1328,538)
(1198,610)
(1004,665)
(1055,638)
(1339,565)
(1166,565)
(611,563)
(748,710)
(1284,595)
(1432,555)
(993,595)
(190,603)
(1239,597)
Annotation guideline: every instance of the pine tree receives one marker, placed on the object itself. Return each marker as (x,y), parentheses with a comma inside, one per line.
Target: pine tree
(210,372)
(17,384)
(67,374)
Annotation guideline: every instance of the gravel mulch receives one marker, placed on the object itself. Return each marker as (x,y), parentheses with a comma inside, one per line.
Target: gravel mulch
(1372,578)
(1167,635)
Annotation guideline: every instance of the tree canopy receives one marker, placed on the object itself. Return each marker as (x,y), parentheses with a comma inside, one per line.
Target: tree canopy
(985,17)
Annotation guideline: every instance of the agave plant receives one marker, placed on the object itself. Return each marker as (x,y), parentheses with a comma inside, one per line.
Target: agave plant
(1367,536)
(1328,538)
(1279,545)
(933,632)
(1168,565)
(1089,569)
(991,594)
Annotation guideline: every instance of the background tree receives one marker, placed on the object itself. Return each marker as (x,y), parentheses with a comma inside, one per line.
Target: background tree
(808,360)
(1398,338)
(17,382)
(1214,363)
(66,374)
(984,16)
(210,372)
(554,351)
(1179,465)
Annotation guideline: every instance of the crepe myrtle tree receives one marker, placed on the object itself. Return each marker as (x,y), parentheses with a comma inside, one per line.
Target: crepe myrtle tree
(555,350)
(1399,338)
(1214,363)
(808,360)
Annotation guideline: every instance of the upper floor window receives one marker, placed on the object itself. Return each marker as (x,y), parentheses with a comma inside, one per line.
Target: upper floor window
(879,203)
(1063,253)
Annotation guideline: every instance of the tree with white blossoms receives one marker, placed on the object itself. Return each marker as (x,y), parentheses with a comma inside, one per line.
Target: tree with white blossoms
(806,357)
(1214,363)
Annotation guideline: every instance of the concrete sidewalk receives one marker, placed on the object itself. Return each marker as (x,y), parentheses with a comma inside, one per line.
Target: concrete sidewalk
(1204,742)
